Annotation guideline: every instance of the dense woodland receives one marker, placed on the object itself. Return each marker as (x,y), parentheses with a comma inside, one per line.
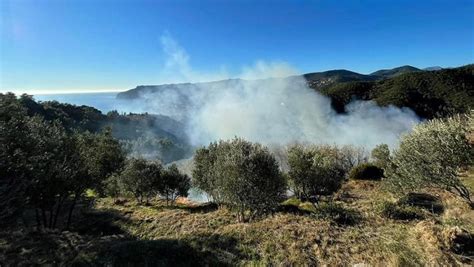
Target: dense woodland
(429,93)
(100,184)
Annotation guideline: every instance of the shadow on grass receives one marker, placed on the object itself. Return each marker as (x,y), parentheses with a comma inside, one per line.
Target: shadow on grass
(200,208)
(335,212)
(197,208)
(200,250)
(31,247)
(292,209)
(100,223)
(425,201)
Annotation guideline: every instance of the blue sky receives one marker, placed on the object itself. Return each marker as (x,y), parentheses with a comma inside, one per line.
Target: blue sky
(74,45)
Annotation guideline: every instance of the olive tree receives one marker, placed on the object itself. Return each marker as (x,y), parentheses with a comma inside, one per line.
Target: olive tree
(45,167)
(381,156)
(173,184)
(15,148)
(60,175)
(141,178)
(203,173)
(432,155)
(350,156)
(112,186)
(315,171)
(102,154)
(240,174)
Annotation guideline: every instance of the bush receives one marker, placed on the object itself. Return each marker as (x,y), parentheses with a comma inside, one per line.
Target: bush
(400,212)
(381,156)
(112,186)
(314,172)
(432,155)
(173,184)
(141,178)
(241,174)
(350,156)
(103,156)
(366,171)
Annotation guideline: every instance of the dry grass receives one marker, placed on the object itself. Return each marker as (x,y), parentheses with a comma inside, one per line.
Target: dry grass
(290,239)
(279,239)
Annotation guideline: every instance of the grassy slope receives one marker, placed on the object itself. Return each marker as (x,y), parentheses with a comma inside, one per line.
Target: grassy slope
(188,235)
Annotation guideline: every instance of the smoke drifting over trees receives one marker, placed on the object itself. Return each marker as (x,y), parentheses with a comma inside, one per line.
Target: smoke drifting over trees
(269,109)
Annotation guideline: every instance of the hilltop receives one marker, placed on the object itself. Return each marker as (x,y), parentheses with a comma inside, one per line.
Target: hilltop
(388,73)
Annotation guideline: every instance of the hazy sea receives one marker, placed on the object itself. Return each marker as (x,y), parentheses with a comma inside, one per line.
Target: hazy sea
(104,102)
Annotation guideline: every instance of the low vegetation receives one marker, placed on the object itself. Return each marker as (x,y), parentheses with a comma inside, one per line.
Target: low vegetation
(381,156)
(240,174)
(46,168)
(433,155)
(314,172)
(366,171)
(400,211)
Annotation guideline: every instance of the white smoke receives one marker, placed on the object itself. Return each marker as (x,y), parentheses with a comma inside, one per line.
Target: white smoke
(177,68)
(271,111)
(281,111)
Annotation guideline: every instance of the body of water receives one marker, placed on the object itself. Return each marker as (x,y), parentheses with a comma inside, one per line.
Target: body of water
(104,102)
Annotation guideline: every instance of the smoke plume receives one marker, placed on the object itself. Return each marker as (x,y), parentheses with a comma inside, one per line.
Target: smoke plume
(268,108)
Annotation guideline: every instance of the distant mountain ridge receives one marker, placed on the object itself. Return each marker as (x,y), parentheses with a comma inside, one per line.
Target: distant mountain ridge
(315,80)
(388,73)
(433,68)
(430,92)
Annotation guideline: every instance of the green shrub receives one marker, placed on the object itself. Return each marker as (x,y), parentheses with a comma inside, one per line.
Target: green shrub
(141,178)
(112,186)
(315,171)
(173,184)
(381,156)
(399,211)
(240,174)
(432,156)
(366,171)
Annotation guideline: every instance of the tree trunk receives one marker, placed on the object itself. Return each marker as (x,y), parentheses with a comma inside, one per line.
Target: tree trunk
(43,214)
(51,216)
(38,221)
(71,209)
(464,193)
(58,210)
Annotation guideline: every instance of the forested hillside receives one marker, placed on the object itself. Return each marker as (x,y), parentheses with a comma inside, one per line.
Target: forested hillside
(429,93)
(154,136)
